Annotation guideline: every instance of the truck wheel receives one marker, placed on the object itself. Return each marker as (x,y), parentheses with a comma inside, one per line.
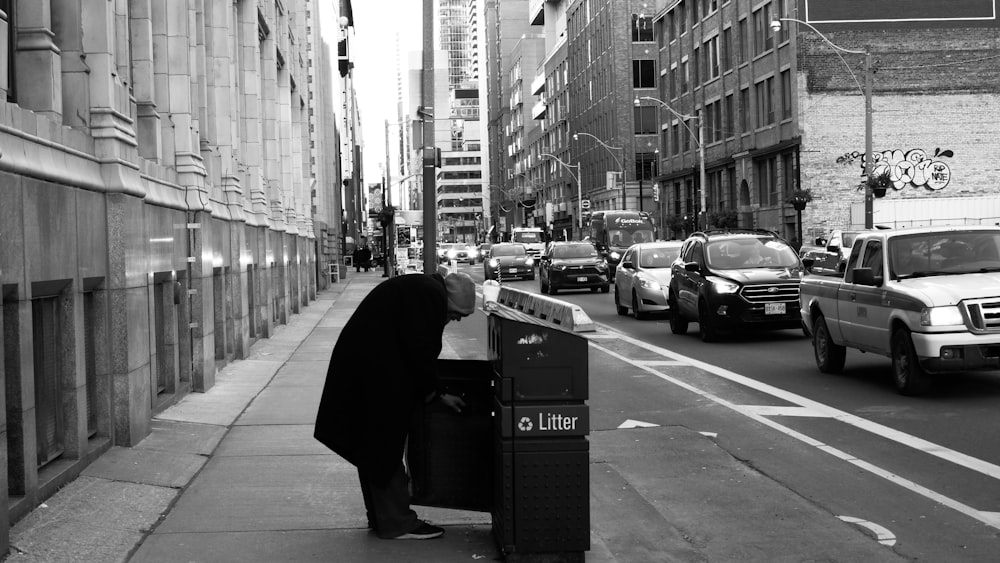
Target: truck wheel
(639,315)
(829,356)
(618,304)
(678,324)
(908,376)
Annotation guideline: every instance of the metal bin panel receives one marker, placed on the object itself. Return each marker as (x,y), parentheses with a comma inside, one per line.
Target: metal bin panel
(548,363)
(542,502)
(533,420)
(449,454)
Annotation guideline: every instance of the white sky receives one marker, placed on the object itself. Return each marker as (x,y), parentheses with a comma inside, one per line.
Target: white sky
(376,26)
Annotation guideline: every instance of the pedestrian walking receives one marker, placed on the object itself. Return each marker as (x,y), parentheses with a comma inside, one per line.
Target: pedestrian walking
(366,257)
(365,409)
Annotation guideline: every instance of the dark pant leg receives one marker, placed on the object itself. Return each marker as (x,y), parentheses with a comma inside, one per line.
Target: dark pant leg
(389,504)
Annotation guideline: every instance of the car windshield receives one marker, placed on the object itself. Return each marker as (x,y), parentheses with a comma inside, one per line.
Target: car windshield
(953,252)
(583,250)
(508,250)
(530,236)
(849,239)
(751,253)
(661,257)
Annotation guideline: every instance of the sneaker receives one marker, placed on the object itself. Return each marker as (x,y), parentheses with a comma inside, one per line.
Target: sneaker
(424,531)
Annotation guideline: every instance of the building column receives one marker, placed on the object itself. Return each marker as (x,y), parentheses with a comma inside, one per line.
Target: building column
(38,66)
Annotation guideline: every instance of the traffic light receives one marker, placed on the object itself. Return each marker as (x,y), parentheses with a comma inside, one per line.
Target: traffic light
(437,157)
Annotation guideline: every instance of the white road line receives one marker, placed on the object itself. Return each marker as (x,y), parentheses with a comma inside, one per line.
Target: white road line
(882,534)
(880,430)
(655,363)
(769,410)
(751,411)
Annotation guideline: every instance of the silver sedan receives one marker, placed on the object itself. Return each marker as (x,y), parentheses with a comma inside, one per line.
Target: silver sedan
(643,276)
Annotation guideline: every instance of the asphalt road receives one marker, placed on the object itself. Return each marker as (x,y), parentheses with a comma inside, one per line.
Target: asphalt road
(927,469)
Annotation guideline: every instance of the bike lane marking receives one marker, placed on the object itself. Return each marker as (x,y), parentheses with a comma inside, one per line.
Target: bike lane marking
(809,407)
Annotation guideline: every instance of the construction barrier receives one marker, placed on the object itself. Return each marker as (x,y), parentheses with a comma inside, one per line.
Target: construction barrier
(568,316)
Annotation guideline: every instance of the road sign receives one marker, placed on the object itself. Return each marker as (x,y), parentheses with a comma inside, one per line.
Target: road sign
(585,204)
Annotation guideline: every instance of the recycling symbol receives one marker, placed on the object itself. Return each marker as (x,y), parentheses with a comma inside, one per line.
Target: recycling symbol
(525,424)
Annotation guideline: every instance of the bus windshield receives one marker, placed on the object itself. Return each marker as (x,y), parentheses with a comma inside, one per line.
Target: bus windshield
(625,237)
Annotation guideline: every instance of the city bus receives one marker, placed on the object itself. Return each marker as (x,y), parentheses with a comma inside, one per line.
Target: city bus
(612,232)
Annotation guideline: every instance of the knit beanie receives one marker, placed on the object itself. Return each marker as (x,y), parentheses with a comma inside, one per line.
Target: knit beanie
(461,293)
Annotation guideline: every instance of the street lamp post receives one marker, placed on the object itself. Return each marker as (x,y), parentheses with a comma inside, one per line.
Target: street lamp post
(701,149)
(579,189)
(621,165)
(867,91)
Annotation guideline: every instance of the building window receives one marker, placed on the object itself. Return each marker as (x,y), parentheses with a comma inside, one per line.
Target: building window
(8,8)
(642,27)
(767,186)
(645,165)
(744,110)
(788,173)
(763,38)
(781,11)
(711,6)
(675,139)
(729,122)
(673,82)
(731,187)
(712,57)
(643,74)
(696,68)
(681,19)
(786,94)
(672,26)
(742,41)
(765,102)
(685,77)
(645,120)
(727,46)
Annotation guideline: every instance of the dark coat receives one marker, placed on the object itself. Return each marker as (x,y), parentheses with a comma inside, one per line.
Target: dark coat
(383,365)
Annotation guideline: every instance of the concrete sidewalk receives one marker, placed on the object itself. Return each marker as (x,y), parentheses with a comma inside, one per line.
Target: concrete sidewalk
(235,475)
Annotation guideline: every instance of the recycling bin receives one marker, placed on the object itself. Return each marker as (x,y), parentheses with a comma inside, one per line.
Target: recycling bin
(541,496)
(450,454)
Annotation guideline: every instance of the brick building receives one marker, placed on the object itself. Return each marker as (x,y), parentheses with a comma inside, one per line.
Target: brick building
(784,110)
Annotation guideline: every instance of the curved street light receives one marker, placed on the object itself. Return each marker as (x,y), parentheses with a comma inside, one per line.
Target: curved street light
(579,189)
(867,91)
(698,141)
(621,166)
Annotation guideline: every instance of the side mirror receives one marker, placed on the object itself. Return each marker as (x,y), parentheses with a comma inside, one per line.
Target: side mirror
(833,248)
(864,276)
(808,263)
(628,264)
(692,267)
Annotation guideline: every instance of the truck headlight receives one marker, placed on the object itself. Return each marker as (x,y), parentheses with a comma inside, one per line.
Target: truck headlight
(529,261)
(494,263)
(941,316)
(651,285)
(722,285)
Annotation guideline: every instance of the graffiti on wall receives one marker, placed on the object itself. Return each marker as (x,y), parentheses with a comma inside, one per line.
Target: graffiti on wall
(914,168)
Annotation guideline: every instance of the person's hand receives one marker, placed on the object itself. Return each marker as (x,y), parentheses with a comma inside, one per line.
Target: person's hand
(452,401)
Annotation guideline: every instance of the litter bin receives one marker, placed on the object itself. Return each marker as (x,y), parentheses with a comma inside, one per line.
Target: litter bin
(449,454)
(541,496)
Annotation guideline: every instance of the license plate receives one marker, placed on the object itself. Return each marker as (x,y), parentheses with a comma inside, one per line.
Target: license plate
(582,279)
(774,308)
(513,270)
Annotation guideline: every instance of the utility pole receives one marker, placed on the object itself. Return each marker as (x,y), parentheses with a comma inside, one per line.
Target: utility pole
(430,172)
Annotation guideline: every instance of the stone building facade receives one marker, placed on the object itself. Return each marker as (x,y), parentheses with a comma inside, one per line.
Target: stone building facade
(157,180)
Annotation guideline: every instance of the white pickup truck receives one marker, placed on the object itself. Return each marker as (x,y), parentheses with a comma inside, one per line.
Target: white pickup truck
(926,297)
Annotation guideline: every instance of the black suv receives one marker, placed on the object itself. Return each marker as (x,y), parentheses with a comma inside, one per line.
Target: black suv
(735,278)
(573,265)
